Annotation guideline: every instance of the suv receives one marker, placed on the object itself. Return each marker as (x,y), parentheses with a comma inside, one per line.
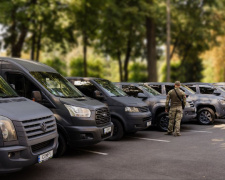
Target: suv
(129,114)
(205,88)
(156,103)
(28,132)
(208,106)
(81,121)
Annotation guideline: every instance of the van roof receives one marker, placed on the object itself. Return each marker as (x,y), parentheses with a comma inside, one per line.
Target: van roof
(29,65)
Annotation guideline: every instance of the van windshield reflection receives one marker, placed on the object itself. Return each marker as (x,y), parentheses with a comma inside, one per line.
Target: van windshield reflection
(5,90)
(57,85)
(110,88)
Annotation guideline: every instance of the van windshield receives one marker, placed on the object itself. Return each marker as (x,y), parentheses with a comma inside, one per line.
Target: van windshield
(221,88)
(5,90)
(150,90)
(57,85)
(188,89)
(110,88)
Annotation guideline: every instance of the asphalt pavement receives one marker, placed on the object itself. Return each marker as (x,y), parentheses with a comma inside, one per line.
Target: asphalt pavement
(198,154)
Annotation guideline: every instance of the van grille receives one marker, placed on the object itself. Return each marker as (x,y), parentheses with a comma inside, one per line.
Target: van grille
(38,147)
(35,128)
(102,116)
(149,118)
(143,109)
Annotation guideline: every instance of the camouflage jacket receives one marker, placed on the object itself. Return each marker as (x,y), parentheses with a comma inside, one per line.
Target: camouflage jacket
(174,100)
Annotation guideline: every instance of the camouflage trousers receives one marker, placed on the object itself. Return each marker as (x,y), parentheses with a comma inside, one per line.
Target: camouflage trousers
(175,114)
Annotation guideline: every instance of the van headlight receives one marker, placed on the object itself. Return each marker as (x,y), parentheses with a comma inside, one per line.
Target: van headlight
(131,109)
(222,101)
(78,111)
(7,129)
(187,104)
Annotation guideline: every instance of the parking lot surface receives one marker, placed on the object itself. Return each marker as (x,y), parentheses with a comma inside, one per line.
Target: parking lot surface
(198,154)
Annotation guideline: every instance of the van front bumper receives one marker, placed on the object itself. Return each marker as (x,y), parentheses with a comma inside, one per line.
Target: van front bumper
(22,156)
(138,121)
(80,136)
(189,114)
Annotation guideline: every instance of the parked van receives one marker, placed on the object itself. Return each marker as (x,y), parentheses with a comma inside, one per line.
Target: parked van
(28,131)
(156,103)
(81,121)
(128,114)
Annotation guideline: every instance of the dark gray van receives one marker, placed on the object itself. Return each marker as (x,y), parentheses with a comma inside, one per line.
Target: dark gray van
(156,103)
(28,131)
(81,121)
(129,114)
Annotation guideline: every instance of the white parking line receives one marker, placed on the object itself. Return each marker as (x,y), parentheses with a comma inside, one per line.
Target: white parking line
(95,152)
(159,140)
(199,131)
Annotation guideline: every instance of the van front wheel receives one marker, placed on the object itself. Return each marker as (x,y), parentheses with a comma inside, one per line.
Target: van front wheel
(62,146)
(118,130)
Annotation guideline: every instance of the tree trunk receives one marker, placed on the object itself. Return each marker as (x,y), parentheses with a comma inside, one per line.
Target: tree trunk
(39,42)
(85,53)
(33,44)
(151,49)
(126,62)
(120,66)
(17,48)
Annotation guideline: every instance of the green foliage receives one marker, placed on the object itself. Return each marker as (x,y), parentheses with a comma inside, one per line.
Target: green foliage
(95,68)
(57,64)
(138,72)
(190,71)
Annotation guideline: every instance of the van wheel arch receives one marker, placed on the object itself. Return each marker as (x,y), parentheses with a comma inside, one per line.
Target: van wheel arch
(62,140)
(118,123)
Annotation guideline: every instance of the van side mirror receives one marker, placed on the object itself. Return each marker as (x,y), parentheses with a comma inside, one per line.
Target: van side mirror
(142,95)
(217,93)
(98,95)
(36,96)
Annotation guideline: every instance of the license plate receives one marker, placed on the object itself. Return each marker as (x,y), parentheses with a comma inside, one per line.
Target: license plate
(44,157)
(107,130)
(149,123)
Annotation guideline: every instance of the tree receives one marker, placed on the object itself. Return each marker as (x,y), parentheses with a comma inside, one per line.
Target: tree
(122,32)
(95,68)
(194,27)
(86,17)
(57,64)
(27,23)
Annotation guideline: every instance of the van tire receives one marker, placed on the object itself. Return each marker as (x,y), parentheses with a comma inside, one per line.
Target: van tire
(62,147)
(118,130)
(163,121)
(206,116)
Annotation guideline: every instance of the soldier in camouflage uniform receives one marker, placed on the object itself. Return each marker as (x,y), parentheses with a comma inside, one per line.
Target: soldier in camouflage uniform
(175,111)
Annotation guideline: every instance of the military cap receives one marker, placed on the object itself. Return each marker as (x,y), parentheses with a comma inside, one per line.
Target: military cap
(177,83)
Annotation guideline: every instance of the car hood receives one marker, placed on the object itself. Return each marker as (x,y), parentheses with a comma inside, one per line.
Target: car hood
(127,101)
(21,109)
(84,102)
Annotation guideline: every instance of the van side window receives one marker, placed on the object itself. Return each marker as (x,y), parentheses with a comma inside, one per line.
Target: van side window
(131,90)
(206,89)
(86,87)
(192,87)
(168,88)
(156,87)
(21,84)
